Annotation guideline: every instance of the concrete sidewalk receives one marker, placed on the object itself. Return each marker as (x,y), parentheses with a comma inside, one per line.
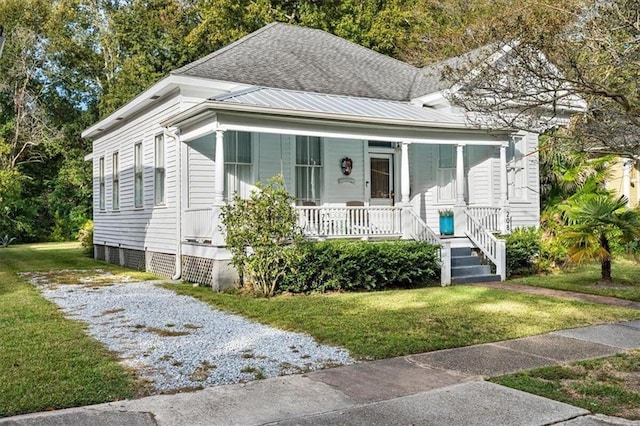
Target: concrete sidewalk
(436,388)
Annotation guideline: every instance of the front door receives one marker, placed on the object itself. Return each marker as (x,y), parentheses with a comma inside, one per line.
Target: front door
(381,179)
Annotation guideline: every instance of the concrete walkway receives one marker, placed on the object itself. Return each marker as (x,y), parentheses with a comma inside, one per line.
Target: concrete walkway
(436,388)
(571,295)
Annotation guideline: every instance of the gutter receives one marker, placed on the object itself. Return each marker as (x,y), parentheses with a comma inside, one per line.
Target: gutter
(175,135)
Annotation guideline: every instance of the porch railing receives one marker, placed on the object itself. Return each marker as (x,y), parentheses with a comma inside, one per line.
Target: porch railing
(330,222)
(489,217)
(420,231)
(492,247)
(198,224)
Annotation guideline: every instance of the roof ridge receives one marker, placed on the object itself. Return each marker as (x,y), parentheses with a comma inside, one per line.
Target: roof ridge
(223,49)
(359,46)
(281,89)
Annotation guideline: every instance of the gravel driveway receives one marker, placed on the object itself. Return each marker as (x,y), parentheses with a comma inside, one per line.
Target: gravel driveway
(176,342)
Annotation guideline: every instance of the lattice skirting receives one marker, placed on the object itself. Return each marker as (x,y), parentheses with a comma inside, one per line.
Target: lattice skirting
(134,259)
(113,255)
(161,264)
(197,270)
(194,269)
(99,252)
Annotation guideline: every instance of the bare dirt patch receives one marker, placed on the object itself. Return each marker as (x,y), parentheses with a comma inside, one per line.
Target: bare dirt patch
(84,277)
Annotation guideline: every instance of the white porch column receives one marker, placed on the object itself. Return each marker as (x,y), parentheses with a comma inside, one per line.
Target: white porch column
(218,190)
(405,183)
(504,197)
(460,175)
(627,165)
(219,237)
(459,216)
(405,189)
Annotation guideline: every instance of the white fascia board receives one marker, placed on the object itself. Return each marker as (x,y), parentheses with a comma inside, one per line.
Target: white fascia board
(205,125)
(151,95)
(88,157)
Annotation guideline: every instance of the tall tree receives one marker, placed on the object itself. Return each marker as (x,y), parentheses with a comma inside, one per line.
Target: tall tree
(589,60)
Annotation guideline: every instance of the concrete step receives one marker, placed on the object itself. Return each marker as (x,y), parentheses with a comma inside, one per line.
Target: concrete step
(475,279)
(460,251)
(465,261)
(463,271)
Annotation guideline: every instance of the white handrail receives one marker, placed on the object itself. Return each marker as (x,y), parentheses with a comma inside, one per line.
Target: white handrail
(492,247)
(420,231)
(488,216)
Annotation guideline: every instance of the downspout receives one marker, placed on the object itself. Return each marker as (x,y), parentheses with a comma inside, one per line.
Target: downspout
(174,134)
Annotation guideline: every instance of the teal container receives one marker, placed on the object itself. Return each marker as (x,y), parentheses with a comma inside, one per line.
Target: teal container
(446,225)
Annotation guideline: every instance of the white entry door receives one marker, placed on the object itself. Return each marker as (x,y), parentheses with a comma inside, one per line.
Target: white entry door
(381,184)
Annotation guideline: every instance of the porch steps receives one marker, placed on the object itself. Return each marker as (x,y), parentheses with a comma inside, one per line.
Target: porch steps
(466,267)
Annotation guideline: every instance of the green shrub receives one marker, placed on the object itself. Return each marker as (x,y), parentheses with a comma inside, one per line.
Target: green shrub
(523,251)
(85,236)
(361,265)
(261,233)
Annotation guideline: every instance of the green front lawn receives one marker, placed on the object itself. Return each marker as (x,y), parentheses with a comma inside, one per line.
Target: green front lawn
(607,385)
(586,279)
(393,323)
(46,361)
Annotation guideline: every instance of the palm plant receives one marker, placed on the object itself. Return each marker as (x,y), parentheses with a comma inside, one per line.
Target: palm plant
(595,221)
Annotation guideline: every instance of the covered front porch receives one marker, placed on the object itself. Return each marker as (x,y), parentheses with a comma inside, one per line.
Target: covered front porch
(353,175)
(379,222)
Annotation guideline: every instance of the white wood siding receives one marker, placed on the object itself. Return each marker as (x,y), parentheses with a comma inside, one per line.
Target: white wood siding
(527,213)
(352,189)
(151,227)
(201,171)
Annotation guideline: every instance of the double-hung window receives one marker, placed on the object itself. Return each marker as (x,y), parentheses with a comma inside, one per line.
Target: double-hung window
(102,185)
(138,175)
(308,169)
(446,173)
(159,170)
(238,176)
(115,182)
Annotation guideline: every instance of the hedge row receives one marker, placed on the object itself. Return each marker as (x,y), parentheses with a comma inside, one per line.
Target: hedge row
(361,265)
(523,247)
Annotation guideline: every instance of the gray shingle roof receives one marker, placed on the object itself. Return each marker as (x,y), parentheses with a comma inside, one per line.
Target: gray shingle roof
(432,79)
(298,58)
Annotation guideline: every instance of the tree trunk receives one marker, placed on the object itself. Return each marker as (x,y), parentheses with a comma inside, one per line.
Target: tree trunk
(606,260)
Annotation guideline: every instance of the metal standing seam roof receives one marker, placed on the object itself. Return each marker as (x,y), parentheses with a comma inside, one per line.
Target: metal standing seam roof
(336,104)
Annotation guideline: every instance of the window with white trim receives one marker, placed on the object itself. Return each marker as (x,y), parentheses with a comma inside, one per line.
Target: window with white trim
(238,174)
(115,182)
(517,168)
(446,174)
(308,169)
(102,183)
(159,173)
(138,175)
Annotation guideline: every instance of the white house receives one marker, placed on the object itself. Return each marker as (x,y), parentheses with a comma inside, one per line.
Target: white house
(369,145)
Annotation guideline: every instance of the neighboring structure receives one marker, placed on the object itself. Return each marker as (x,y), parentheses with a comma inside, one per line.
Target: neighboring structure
(369,145)
(624,179)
